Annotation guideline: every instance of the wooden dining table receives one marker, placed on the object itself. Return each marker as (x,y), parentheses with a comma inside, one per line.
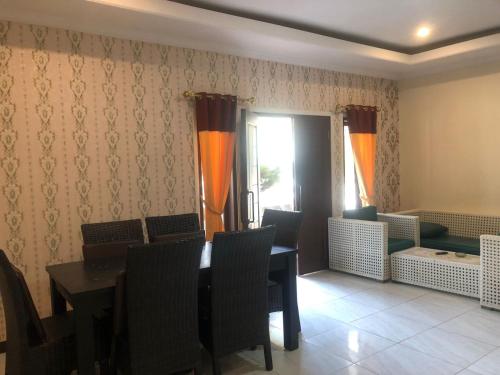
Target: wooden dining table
(89,288)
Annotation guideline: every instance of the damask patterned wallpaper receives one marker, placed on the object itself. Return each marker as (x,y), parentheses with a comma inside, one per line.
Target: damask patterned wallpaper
(94,128)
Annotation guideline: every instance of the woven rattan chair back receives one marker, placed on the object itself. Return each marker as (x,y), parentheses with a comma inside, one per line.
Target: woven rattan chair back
(287,226)
(113,231)
(173,224)
(161,285)
(99,251)
(239,270)
(178,236)
(24,328)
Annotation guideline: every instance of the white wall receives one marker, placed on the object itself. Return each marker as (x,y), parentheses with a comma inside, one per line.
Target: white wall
(450,141)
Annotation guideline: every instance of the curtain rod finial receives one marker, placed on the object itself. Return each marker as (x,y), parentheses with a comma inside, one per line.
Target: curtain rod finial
(189,94)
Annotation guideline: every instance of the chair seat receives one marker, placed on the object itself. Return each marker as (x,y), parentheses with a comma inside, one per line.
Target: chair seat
(397,244)
(58,326)
(453,243)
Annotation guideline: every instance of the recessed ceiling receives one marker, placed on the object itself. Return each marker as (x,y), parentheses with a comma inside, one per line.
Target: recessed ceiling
(390,24)
(370,35)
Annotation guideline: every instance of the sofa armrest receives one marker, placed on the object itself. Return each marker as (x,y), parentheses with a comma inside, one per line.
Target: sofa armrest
(402,226)
(358,236)
(490,246)
(490,271)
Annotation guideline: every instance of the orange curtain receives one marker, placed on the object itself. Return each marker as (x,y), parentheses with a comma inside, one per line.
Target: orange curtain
(362,122)
(216,124)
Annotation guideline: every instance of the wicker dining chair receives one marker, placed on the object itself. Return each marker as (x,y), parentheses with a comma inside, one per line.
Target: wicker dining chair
(287,226)
(156,309)
(113,231)
(173,224)
(34,345)
(100,251)
(234,312)
(177,236)
(287,235)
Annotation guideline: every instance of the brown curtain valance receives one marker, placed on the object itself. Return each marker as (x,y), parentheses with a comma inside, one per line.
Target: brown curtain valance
(361,119)
(215,112)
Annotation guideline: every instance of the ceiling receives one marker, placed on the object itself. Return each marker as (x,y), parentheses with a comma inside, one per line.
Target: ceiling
(388,24)
(375,37)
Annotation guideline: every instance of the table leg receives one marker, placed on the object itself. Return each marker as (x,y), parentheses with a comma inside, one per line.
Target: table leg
(84,323)
(57,301)
(290,306)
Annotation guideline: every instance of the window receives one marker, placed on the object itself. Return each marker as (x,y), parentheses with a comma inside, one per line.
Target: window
(351,200)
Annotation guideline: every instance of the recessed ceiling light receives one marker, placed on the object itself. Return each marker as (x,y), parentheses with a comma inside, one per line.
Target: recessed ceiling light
(423,32)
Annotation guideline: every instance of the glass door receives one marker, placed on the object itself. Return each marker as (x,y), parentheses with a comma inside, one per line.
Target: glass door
(253,175)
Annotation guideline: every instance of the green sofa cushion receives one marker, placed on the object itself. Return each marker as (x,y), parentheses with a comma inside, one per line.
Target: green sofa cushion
(368,213)
(453,243)
(431,230)
(396,244)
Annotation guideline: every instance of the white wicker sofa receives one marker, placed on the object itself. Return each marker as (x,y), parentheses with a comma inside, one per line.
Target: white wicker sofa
(486,228)
(361,247)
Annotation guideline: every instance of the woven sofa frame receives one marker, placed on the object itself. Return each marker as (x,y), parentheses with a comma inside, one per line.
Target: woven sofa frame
(361,247)
(459,224)
(484,227)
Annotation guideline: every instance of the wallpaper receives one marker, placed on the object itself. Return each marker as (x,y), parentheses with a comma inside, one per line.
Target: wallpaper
(94,128)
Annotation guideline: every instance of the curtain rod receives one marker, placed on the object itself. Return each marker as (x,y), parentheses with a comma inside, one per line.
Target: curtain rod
(342,108)
(191,94)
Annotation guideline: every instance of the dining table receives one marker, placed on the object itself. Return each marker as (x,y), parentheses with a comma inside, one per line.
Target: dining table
(88,287)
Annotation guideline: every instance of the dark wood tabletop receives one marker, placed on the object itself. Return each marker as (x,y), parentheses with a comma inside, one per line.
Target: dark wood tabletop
(89,287)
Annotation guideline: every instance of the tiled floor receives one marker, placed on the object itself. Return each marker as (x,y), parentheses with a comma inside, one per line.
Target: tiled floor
(355,326)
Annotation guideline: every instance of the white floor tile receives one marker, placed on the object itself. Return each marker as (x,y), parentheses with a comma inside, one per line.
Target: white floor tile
(350,343)
(344,310)
(381,298)
(313,323)
(467,372)
(410,290)
(340,285)
(309,293)
(390,326)
(482,325)
(354,370)
(435,308)
(400,360)
(450,347)
(311,360)
(488,365)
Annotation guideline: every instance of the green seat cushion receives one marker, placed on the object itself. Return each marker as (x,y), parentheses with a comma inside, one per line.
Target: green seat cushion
(368,213)
(431,230)
(396,244)
(453,243)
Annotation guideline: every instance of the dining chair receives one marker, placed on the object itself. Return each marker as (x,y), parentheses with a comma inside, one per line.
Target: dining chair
(34,345)
(113,231)
(234,312)
(172,224)
(156,309)
(177,236)
(287,235)
(108,250)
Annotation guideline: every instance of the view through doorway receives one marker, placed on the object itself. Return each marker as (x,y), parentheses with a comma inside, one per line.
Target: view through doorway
(271,164)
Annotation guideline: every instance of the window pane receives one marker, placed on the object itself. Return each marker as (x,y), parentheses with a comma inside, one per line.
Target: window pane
(349,173)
